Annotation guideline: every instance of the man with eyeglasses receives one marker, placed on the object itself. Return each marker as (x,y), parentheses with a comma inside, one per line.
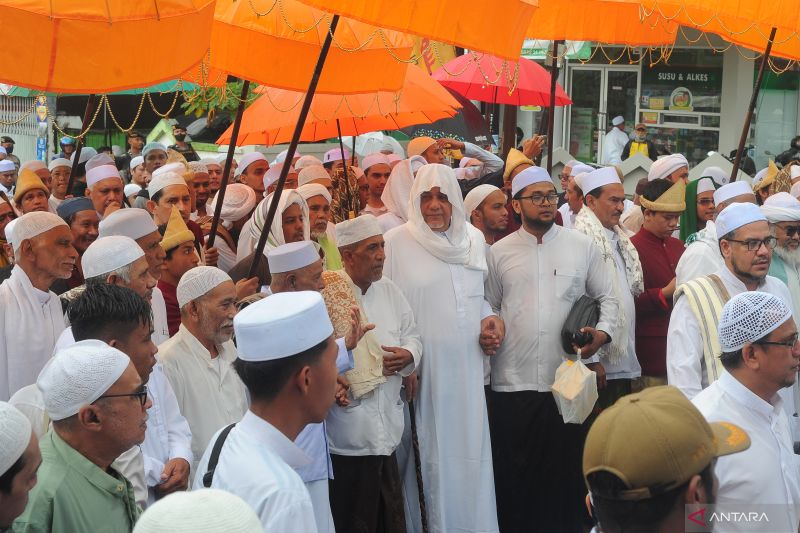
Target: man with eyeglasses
(761,357)
(536,274)
(783,214)
(564,176)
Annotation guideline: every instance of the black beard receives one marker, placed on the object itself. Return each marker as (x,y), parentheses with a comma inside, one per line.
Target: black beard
(536,224)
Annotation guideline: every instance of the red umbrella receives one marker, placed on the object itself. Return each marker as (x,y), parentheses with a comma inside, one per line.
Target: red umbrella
(490,79)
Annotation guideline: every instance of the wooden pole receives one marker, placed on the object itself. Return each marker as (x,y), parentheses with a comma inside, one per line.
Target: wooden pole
(91,105)
(551,112)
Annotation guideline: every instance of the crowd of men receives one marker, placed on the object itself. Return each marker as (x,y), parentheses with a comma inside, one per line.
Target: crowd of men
(389,368)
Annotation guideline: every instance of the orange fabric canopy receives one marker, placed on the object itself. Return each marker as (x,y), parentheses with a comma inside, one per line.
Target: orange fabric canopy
(100,46)
(497,27)
(272,117)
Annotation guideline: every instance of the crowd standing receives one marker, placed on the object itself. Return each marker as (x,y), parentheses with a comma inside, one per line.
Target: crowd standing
(390,367)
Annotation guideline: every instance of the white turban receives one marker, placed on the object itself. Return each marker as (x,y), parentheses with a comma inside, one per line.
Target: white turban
(131,223)
(476,196)
(239,200)
(109,254)
(356,230)
(312,173)
(735,216)
(15,434)
(398,187)
(664,166)
(199,281)
(199,511)
(276,237)
(310,190)
(79,375)
(781,207)
(750,316)
(31,225)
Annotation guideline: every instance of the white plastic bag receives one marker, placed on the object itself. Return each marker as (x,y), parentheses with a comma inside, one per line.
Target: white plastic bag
(575,391)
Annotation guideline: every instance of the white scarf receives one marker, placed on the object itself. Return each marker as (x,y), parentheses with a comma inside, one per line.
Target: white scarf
(398,187)
(276,237)
(587,223)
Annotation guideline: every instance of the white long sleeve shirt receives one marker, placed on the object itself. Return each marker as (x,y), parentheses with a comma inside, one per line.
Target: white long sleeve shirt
(700,258)
(491,163)
(533,287)
(767,473)
(613,143)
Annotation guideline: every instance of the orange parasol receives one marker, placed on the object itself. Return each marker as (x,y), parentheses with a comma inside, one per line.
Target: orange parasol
(271,118)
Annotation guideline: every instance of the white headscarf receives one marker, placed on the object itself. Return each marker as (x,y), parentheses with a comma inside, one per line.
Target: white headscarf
(464,244)
(398,187)
(276,238)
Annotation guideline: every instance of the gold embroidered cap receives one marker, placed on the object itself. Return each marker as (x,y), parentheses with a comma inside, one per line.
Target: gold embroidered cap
(672,201)
(177,231)
(515,158)
(767,179)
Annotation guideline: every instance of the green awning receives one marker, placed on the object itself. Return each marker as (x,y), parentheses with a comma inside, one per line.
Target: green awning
(165,87)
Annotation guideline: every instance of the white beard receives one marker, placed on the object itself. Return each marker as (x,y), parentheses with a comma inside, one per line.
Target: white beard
(789,257)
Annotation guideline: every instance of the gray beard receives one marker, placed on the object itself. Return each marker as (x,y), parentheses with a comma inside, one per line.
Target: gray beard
(792,258)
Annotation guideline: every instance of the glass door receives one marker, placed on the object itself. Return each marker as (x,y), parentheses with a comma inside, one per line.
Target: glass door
(584,90)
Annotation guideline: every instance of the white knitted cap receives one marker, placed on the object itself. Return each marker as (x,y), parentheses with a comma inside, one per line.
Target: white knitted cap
(100,173)
(356,230)
(87,152)
(164,180)
(529,176)
(705,185)
(312,173)
(108,254)
(131,223)
(240,199)
(307,161)
(31,225)
(476,196)
(15,434)
(198,167)
(580,168)
(735,216)
(199,511)
(198,282)
(78,375)
(131,189)
(176,167)
(292,256)
(750,316)
(59,162)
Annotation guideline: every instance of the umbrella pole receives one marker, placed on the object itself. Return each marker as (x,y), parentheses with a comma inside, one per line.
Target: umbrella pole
(551,110)
(298,129)
(341,147)
(753,100)
(423,511)
(228,163)
(91,104)
(353,153)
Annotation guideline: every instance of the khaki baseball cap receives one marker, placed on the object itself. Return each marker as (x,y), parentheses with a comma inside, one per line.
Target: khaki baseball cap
(654,441)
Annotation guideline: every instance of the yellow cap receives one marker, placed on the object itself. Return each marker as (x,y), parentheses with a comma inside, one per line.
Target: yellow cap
(417,145)
(515,158)
(28,180)
(672,201)
(654,441)
(769,177)
(177,231)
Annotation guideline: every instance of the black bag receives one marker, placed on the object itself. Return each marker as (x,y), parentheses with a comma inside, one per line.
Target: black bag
(585,312)
(208,477)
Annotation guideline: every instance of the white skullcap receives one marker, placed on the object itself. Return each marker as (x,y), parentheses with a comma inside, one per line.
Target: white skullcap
(619,119)
(737,215)
(199,511)
(109,254)
(394,158)
(31,225)
(33,165)
(292,256)
(781,207)
(292,321)
(199,281)
(718,175)
(281,157)
(240,199)
(58,162)
(664,166)
(356,230)
(131,189)
(100,173)
(750,316)
(9,232)
(596,179)
(418,145)
(149,147)
(248,160)
(464,161)
(87,152)
(476,196)
(307,161)
(131,223)
(211,161)
(732,190)
(176,167)
(312,173)
(79,375)
(374,159)
(572,163)
(273,174)
(310,190)
(7,165)
(705,185)
(15,434)
(198,167)
(760,175)
(136,161)
(580,168)
(99,160)
(529,176)
(335,154)
(164,180)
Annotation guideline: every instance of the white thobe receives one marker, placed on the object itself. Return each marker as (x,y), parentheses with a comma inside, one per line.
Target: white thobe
(227,257)
(613,143)
(374,211)
(373,424)
(767,473)
(389,220)
(533,287)
(257,463)
(246,244)
(31,322)
(210,394)
(567,216)
(701,258)
(448,304)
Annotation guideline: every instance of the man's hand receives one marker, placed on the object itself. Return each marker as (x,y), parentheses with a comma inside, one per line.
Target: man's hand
(175,477)
(357,329)
(212,256)
(246,287)
(599,338)
(397,361)
(533,146)
(411,384)
(669,290)
(493,331)
(450,143)
(598,369)
(110,208)
(342,386)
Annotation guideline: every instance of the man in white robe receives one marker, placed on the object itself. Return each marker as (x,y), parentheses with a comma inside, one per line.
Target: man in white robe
(32,318)
(395,194)
(289,225)
(485,206)
(614,141)
(536,274)
(238,205)
(438,261)
(783,214)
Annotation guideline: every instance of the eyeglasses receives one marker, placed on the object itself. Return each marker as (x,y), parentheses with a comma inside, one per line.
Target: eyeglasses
(791,231)
(789,344)
(541,199)
(142,395)
(754,245)
(705,202)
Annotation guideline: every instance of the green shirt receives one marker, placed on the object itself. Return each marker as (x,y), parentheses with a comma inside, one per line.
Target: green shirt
(332,258)
(73,495)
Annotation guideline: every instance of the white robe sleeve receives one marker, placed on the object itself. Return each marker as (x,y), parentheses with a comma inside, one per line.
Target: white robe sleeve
(344,359)
(409,334)
(493,286)
(693,264)
(491,163)
(684,350)
(180,436)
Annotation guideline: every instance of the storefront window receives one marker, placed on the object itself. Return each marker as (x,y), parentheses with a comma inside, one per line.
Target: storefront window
(775,121)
